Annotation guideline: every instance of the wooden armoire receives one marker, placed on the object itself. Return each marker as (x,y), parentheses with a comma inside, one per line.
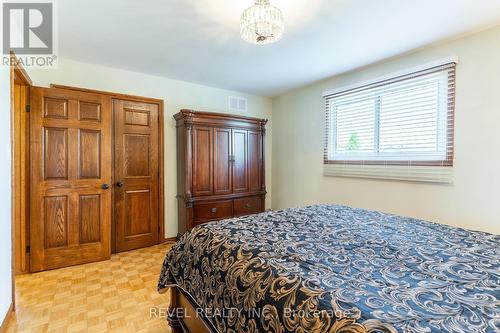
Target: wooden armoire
(220,167)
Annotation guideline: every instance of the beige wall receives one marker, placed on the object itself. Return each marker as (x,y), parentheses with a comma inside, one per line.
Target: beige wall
(176,94)
(472,201)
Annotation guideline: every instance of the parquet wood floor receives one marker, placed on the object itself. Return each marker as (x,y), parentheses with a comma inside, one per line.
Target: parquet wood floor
(116,295)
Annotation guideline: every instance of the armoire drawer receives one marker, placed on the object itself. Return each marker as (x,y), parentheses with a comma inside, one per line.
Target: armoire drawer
(213,210)
(247,206)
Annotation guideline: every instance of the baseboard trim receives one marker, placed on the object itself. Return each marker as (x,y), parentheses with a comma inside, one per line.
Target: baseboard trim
(170,240)
(5,321)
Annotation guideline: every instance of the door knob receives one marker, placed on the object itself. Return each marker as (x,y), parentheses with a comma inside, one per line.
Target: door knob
(119,184)
(214,210)
(104,186)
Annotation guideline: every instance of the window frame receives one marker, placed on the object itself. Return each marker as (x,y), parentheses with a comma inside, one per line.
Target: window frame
(445,159)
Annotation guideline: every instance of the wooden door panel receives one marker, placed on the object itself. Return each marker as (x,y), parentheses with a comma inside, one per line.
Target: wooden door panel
(254,160)
(55,153)
(90,154)
(136,155)
(89,111)
(137,172)
(71,160)
(55,108)
(222,161)
(137,212)
(55,221)
(240,173)
(202,161)
(137,118)
(90,218)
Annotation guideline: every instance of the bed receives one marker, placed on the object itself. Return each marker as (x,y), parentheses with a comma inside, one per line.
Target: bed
(329,268)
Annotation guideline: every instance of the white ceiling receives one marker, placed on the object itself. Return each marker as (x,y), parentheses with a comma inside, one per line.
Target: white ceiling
(198,40)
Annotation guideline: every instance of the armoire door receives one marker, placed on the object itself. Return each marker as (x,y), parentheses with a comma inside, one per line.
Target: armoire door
(70,178)
(136,172)
(239,159)
(203,162)
(255,161)
(222,161)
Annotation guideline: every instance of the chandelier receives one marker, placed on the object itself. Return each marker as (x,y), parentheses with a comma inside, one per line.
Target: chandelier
(262,23)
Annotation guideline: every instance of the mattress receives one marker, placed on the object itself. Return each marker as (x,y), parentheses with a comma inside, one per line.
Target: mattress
(329,268)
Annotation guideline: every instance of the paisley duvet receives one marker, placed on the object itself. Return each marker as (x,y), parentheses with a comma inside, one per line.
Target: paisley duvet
(328,268)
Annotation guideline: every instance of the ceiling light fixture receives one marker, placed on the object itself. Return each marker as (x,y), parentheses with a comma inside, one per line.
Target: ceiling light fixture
(262,23)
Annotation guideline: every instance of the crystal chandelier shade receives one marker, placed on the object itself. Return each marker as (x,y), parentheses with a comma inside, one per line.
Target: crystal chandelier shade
(262,23)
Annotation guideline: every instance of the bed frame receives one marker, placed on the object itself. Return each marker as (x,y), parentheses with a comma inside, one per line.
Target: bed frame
(183,317)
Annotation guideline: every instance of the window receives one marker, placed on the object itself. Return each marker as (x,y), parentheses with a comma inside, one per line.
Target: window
(405,120)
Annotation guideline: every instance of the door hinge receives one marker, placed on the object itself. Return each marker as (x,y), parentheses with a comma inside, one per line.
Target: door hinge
(28,108)
(28,249)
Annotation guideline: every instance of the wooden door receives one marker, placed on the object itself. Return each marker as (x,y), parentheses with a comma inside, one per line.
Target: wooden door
(255,161)
(203,161)
(70,178)
(239,158)
(222,161)
(136,173)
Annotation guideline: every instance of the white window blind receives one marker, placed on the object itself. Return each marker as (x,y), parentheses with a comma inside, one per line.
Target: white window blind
(405,121)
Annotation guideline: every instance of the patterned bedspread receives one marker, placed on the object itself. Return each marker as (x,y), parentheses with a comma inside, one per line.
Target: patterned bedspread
(337,269)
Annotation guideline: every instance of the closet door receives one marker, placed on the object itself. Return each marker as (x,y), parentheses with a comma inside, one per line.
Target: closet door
(222,161)
(136,174)
(70,178)
(239,158)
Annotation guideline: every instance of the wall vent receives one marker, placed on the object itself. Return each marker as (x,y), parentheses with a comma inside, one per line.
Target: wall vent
(237,104)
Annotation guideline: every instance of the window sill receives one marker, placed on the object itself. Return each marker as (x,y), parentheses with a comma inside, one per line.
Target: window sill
(425,174)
